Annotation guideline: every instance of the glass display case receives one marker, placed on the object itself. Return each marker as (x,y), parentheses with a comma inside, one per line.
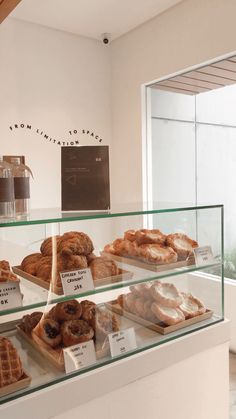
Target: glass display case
(80,291)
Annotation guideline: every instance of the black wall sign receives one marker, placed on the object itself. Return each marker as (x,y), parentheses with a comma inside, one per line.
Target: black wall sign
(85,178)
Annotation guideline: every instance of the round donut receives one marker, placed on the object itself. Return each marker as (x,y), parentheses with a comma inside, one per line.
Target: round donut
(75,243)
(46,246)
(145,236)
(49,331)
(68,310)
(76,331)
(181,244)
(29,263)
(166,294)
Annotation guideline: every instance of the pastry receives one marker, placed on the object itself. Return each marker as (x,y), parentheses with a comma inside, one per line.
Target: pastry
(140,307)
(103,268)
(30,321)
(141,290)
(145,236)
(49,331)
(181,244)
(89,314)
(129,302)
(130,235)
(109,248)
(29,263)
(76,331)
(6,275)
(104,323)
(75,243)
(118,246)
(191,306)
(168,315)
(4,264)
(166,294)
(10,364)
(90,257)
(156,253)
(43,268)
(85,304)
(121,300)
(46,246)
(71,262)
(67,310)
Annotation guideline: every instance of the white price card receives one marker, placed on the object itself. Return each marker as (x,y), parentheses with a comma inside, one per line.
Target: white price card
(123,341)
(10,295)
(77,281)
(79,356)
(203,255)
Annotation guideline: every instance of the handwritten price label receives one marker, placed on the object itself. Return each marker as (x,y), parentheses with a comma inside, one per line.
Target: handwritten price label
(77,281)
(79,356)
(203,255)
(122,342)
(10,295)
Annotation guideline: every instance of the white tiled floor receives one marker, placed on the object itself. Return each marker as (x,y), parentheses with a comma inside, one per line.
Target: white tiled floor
(232,384)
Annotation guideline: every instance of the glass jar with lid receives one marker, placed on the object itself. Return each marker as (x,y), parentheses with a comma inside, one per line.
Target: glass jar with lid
(7,202)
(21,174)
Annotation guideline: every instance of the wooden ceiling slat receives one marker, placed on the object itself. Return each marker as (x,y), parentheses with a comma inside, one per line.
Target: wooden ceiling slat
(218,72)
(209,77)
(226,65)
(172,89)
(183,86)
(194,82)
(6,7)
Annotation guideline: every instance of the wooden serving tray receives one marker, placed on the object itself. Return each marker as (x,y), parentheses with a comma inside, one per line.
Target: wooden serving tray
(55,355)
(123,275)
(149,266)
(24,381)
(157,327)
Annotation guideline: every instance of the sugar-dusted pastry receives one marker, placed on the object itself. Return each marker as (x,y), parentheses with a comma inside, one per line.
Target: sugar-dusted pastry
(191,306)
(49,331)
(166,294)
(75,332)
(29,263)
(145,236)
(30,321)
(130,235)
(4,264)
(141,290)
(75,243)
(46,246)
(157,254)
(168,315)
(10,363)
(103,268)
(67,310)
(181,244)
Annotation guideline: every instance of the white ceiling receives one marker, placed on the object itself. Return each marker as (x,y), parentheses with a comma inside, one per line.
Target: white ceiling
(91,18)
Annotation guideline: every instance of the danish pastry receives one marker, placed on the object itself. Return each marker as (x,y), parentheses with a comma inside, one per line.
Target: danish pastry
(46,246)
(104,323)
(130,235)
(76,331)
(181,244)
(191,306)
(10,363)
(103,268)
(141,290)
(29,263)
(168,315)
(156,253)
(75,243)
(145,236)
(8,276)
(166,294)
(4,264)
(49,331)
(67,310)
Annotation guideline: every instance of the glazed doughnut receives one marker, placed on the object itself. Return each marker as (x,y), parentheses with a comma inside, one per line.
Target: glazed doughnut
(156,253)
(130,235)
(103,268)
(49,331)
(68,310)
(46,246)
(145,236)
(181,244)
(75,243)
(166,294)
(76,331)
(191,306)
(168,315)
(29,263)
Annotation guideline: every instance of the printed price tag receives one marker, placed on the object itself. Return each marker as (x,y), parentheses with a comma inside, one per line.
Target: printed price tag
(76,282)
(203,255)
(79,356)
(123,341)
(10,295)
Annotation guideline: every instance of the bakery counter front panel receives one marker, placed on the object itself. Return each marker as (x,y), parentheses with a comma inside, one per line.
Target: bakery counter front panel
(88,290)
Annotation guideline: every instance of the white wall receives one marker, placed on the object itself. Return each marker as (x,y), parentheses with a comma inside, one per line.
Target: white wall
(190,33)
(56,82)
